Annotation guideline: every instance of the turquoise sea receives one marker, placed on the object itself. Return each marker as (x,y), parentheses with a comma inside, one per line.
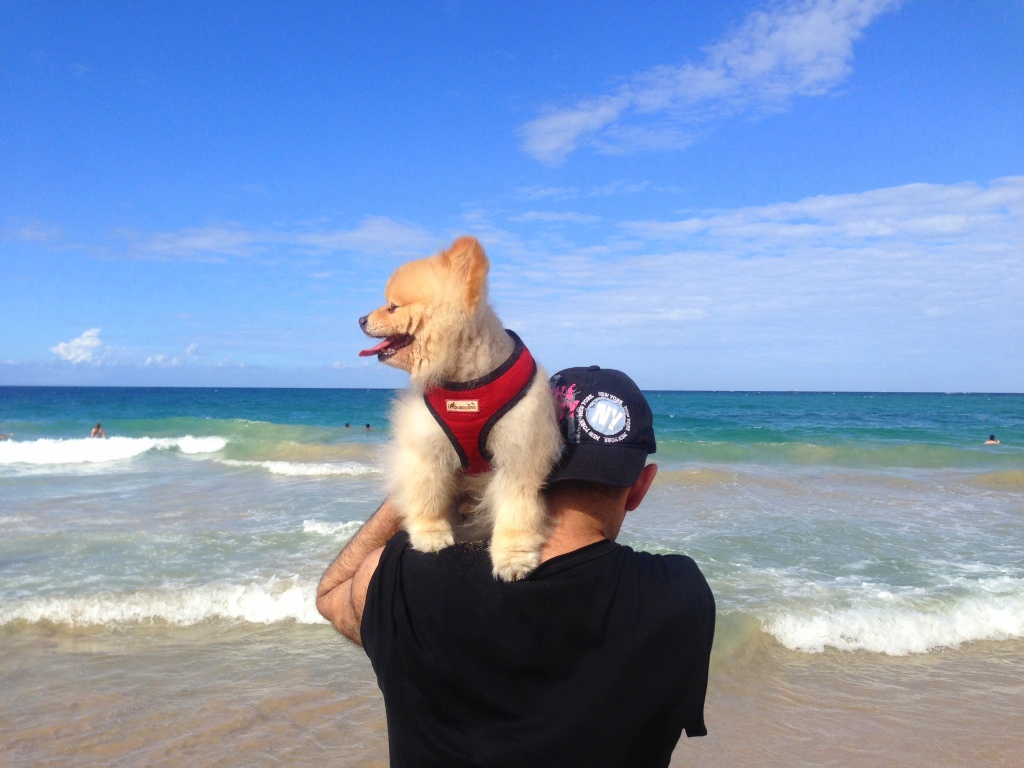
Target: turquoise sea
(866,552)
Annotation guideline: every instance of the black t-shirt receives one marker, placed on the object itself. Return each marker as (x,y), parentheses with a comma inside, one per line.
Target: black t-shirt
(598,658)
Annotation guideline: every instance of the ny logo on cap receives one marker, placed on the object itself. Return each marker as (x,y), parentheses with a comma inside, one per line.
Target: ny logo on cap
(605,417)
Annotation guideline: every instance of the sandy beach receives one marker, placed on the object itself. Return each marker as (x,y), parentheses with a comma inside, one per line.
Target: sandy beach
(287,696)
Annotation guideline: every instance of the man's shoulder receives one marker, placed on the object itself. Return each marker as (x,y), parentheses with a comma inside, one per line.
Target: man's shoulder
(467,561)
(674,576)
(393,550)
(672,563)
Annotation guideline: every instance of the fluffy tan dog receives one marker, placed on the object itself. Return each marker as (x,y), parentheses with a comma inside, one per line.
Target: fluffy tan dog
(436,324)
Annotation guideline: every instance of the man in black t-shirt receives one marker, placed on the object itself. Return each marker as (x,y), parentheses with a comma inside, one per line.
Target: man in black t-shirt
(598,658)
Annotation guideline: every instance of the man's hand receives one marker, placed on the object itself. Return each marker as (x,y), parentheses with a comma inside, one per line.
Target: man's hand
(342,592)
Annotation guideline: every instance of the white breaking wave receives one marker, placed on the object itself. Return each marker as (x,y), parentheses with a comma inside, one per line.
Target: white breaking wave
(89,450)
(307,469)
(189,444)
(290,600)
(897,627)
(344,530)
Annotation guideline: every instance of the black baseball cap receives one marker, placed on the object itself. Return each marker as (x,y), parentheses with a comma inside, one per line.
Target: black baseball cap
(606,424)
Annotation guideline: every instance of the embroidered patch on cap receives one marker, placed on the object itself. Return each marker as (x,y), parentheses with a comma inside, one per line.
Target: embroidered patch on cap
(605,417)
(463,406)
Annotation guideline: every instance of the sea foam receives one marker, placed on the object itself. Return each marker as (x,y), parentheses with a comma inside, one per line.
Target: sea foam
(896,626)
(277,601)
(307,469)
(46,451)
(342,530)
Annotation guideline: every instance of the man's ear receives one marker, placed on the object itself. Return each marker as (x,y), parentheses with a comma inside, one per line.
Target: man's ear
(640,487)
(468,263)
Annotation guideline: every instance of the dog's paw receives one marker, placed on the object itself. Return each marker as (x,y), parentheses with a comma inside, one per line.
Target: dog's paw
(512,563)
(431,538)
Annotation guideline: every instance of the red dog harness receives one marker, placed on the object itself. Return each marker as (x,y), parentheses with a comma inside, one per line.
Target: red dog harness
(467,411)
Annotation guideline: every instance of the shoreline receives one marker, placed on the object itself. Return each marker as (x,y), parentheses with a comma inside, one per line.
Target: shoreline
(242,695)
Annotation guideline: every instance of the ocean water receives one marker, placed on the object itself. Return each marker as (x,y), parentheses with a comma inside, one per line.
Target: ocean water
(156,588)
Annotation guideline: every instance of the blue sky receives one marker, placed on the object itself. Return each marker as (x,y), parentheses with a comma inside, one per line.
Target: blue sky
(823,194)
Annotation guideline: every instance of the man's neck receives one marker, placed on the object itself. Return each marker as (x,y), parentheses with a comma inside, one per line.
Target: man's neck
(574,529)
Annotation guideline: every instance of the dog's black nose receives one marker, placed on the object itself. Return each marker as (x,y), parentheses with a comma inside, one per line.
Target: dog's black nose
(363,321)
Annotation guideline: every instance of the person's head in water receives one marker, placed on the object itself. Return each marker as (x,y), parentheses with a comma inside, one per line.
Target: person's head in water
(346,425)
(991,437)
(367,426)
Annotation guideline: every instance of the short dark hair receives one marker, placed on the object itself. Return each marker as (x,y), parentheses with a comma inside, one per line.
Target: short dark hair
(584,488)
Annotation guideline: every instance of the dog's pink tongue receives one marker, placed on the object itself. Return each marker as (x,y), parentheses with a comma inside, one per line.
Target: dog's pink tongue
(375,350)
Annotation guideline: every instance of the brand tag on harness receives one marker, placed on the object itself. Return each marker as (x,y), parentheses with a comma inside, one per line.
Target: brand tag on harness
(463,406)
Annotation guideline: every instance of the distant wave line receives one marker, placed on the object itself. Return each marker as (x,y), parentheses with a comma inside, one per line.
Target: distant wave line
(306,469)
(48,451)
(904,628)
(346,530)
(861,454)
(287,600)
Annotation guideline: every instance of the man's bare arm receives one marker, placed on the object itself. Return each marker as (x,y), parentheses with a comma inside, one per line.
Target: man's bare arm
(342,592)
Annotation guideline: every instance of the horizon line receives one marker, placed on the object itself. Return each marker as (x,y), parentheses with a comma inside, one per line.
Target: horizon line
(397,389)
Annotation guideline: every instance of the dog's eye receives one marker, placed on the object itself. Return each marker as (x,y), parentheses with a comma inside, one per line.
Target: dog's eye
(392,307)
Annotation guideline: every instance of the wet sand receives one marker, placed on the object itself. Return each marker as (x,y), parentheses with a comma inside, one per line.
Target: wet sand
(946,708)
(301,696)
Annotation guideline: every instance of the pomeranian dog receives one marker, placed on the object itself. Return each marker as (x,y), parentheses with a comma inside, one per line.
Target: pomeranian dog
(475,435)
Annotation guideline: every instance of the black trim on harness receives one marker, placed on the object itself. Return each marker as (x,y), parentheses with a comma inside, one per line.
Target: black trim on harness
(486,430)
(458,386)
(463,458)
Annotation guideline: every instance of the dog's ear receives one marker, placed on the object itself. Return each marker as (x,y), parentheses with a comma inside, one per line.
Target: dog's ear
(467,261)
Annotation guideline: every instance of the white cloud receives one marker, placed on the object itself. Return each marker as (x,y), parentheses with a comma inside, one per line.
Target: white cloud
(618,188)
(539,193)
(917,214)
(910,286)
(551,137)
(173,361)
(374,235)
(557,216)
(794,48)
(80,350)
(162,361)
(211,243)
(34,232)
